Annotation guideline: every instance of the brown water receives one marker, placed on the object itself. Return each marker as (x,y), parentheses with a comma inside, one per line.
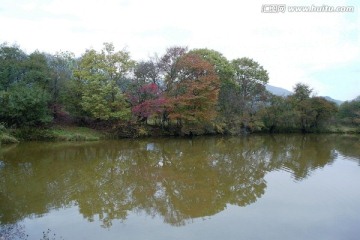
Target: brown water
(256,187)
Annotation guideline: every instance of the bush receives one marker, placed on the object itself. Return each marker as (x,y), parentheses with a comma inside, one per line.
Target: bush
(24,106)
(5,136)
(34,134)
(7,139)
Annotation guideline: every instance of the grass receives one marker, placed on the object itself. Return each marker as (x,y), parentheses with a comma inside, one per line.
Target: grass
(58,133)
(75,134)
(344,129)
(6,138)
(5,135)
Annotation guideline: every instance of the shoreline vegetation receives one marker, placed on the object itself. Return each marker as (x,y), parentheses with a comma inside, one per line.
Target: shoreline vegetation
(105,95)
(58,133)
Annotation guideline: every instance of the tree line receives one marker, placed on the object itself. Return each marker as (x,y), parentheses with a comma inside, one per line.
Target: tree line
(186,91)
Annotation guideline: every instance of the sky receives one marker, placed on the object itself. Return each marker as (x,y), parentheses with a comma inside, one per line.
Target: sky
(321,49)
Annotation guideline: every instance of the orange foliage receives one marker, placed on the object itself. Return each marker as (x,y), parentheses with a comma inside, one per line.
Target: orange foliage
(193,94)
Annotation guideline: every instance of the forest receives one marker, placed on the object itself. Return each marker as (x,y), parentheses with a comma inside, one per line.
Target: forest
(182,92)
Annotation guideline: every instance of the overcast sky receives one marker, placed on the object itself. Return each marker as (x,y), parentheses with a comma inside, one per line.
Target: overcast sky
(320,49)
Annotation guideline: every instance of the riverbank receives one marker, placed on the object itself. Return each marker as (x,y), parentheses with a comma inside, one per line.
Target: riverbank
(80,133)
(55,133)
(76,133)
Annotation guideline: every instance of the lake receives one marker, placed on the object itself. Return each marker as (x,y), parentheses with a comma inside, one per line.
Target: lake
(254,187)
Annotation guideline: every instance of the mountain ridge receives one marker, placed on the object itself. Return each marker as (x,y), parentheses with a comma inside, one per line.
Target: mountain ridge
(282,92)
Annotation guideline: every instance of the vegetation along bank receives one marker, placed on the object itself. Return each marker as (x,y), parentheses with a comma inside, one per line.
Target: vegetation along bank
(106,94)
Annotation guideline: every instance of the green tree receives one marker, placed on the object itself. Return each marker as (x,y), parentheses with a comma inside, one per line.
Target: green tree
(302,105)
(222,66)
(24,83)
(251,78)
(12,65)
(147,72)
(311,113)
(323,112)
(37,71)
(61,65)
(349,112)
(301,92)
(101,75)
(279,114)
(21,105)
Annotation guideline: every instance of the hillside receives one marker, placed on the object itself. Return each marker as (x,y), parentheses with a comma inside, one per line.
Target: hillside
(278,90)
(284,92)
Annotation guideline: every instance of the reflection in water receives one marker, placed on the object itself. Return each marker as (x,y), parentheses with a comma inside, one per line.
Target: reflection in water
(177,179)
(12,231)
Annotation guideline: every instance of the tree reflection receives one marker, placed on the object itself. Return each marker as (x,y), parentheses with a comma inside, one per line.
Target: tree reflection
(349,146)
(176,179)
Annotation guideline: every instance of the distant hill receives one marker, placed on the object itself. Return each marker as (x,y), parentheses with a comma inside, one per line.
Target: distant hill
(338,102)
(278,90)
(284,92)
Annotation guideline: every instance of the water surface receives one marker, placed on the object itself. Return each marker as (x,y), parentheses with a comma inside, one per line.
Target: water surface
(256,187)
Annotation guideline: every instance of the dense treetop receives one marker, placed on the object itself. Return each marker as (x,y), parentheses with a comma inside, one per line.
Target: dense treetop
(190,91)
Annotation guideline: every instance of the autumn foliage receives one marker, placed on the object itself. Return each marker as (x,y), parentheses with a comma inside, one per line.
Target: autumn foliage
(180,92)
(148,102)
(193,94)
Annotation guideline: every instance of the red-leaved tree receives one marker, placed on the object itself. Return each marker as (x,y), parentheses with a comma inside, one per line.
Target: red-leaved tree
(194,92)
(147,102)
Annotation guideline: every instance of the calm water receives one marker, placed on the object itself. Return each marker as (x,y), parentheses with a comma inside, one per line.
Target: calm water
(257,187)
